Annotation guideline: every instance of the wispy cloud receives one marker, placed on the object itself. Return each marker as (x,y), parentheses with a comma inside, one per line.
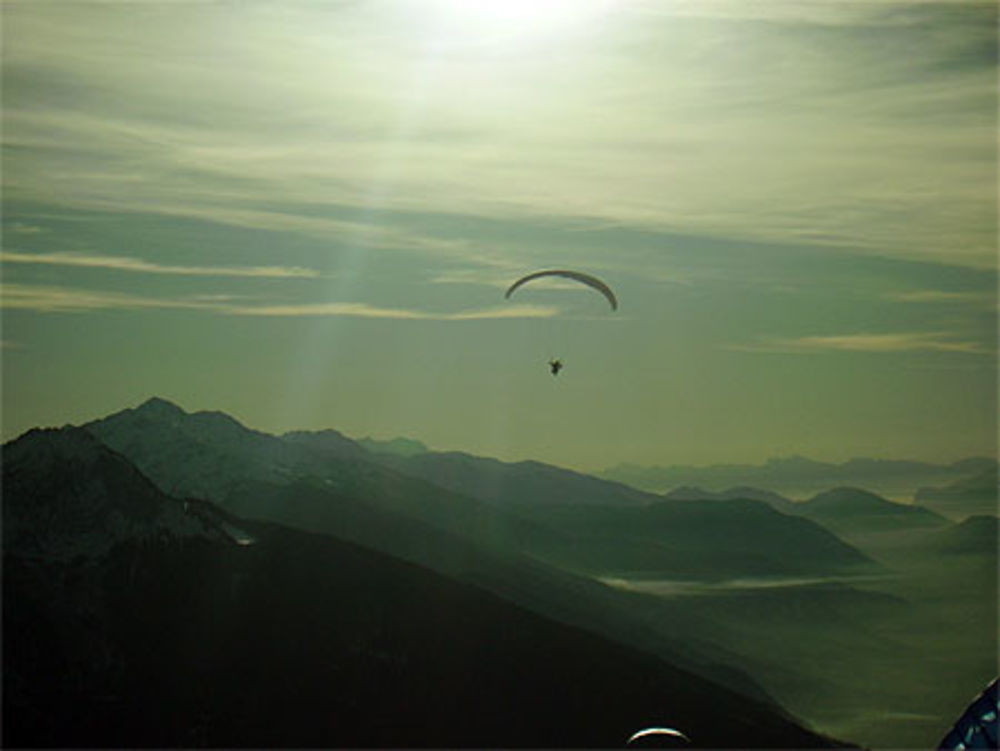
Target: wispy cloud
(874,13)
(493,279)
(941,296)
(52,299)
(362,310)
(124,263)
(873,343)
(497,271)
(477,277)
(20,228)
(816,131)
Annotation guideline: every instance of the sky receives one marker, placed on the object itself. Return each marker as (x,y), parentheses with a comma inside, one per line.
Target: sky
(305,214)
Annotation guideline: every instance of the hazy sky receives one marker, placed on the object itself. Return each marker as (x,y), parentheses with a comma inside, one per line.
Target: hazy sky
(305,214)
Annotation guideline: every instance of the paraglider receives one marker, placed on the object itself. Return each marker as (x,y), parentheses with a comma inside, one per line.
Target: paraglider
(658,738)
(555,364)
(591,281)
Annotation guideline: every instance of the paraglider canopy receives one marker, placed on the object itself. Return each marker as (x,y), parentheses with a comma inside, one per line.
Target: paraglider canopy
(658,737)
(588,279)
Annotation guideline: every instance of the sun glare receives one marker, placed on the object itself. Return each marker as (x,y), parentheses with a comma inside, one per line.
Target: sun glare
(521,16)
(519,11)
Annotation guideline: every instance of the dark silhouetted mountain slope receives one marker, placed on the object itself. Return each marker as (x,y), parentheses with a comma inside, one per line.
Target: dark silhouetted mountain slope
(67,495)
(408,518)
(285,638)
(481,555)
(314,488)
(314,481)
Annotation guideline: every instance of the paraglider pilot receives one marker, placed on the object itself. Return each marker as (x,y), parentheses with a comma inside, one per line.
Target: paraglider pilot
(555,366)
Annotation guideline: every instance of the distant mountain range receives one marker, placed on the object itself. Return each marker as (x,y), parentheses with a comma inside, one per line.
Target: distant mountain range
(734,585)
(325,482)
(704,540)
(974,536)
(133,618)
(801,477)
(968,496)
(851,511)
(691,493)
(846,511)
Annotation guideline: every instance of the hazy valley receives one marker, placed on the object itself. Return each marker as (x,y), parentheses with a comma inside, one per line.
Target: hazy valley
(374,575)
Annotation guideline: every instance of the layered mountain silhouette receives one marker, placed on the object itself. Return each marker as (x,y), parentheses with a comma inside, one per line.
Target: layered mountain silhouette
(968,496)
(974,536)
(688,493)
(322,481)
(847,511)
(339,493)
(802,476)
(853,511)
(318,482)
(513,485)
(725,584)
(136,619)
(744,536)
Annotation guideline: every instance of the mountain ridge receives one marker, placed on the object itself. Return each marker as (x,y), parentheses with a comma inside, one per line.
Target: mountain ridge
(799,475)
(507,483)
(472,542)
(44,466)
(692,493)
(370,650)
(482,499)
(849,511)
(975,495)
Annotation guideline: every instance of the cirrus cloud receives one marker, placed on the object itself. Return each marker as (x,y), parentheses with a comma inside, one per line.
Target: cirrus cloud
(56,299)
(866,342)
(125,263)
